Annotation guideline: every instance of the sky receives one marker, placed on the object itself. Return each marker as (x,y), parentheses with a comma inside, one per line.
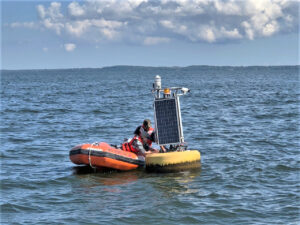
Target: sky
(94,34)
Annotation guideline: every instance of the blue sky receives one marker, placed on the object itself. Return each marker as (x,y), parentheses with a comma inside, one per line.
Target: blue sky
(81,34)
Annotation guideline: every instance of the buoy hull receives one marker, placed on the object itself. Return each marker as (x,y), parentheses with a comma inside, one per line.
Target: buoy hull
(173,161)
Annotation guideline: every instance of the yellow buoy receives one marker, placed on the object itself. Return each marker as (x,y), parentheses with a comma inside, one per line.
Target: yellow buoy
(173,161)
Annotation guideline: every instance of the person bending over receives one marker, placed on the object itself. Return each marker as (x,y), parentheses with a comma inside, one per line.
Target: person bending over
(141,143)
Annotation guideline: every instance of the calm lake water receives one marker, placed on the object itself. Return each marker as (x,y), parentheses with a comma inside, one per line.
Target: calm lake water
(243,120)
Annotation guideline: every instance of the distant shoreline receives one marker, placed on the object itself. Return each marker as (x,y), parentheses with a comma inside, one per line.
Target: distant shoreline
(151,67)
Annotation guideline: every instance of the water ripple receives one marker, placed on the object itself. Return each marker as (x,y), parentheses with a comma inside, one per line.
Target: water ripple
(244,120)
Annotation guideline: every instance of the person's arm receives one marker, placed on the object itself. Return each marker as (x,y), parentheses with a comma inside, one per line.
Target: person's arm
(163,148)
(137,131)
(152,137)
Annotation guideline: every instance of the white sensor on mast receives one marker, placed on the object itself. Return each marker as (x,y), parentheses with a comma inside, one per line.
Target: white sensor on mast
(157,82)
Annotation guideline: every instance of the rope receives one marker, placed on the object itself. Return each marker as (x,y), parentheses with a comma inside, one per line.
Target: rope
(90,161)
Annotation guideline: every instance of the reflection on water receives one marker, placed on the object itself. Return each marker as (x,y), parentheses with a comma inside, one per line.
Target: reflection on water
(91,178)
(79,170)
(178,183)
(168,183)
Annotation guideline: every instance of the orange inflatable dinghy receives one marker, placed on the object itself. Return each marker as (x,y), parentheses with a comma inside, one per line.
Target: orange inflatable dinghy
(102,155)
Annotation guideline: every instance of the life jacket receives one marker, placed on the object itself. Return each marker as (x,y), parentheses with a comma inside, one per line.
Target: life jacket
(128,146)
(149,132)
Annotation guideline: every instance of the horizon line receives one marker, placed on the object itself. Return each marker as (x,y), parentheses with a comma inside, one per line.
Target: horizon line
(104,67)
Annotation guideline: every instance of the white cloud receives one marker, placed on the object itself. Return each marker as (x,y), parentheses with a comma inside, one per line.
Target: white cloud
(41,11)
(271,9)
(51,17)
(248,30)
(56,26)
(155,40)
(108,29)
(161,21)
(270,28)
(228,7)
(24,24)
(45,49)
(109,34)
(232,34)
(136,3)
(75,9)
(77,28)
(54,10)
(107,23)
(167,24)
(207,34)
(69,47)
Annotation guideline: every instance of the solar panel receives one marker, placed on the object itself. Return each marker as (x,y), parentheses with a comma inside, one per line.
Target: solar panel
(167,121)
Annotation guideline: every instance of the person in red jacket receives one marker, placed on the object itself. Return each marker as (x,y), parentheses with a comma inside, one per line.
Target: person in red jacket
(141,143)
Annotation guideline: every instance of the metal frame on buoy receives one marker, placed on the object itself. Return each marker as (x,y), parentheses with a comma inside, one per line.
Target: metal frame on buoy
(161,94)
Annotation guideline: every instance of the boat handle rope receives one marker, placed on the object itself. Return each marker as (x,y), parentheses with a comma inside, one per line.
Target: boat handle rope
(90,161)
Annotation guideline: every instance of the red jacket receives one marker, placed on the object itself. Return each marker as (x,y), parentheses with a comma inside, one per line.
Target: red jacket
(140,136)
